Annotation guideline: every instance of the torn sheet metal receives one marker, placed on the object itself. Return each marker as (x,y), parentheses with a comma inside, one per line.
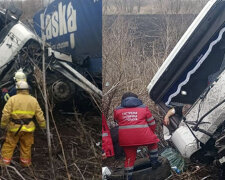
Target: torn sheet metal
(183,138)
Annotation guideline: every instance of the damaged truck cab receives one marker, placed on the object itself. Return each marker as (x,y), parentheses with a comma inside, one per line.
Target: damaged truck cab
(72,54)
(193,73)
(15,38)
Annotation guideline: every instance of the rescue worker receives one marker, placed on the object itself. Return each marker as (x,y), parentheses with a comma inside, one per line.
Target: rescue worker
(17,118)
(19,76)
(107,145)
(136,128)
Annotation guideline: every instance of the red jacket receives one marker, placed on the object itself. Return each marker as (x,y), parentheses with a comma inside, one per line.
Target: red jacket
(136,123)
(107,145)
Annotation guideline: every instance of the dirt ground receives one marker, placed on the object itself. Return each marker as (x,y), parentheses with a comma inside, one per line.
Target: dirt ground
(79,135)
(193,171)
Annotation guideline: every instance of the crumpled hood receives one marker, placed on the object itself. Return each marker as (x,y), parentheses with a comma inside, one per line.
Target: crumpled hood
(131,102)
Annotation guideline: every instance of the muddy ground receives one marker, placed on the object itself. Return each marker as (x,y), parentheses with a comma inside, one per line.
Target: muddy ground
(193,171)
(79,134)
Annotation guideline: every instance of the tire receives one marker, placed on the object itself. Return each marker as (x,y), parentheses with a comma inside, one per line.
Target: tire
(143,171)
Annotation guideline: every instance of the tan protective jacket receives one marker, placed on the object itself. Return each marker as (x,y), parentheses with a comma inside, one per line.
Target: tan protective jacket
(22,106)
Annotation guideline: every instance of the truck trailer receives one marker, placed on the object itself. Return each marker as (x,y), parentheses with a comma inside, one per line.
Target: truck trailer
(193,73)
(68,33)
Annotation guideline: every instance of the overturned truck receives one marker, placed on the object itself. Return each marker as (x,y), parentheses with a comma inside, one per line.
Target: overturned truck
(68,37)
(193,73)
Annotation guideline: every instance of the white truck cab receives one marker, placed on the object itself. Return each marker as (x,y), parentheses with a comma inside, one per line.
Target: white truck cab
(196,66)
(14,38)
(13,41)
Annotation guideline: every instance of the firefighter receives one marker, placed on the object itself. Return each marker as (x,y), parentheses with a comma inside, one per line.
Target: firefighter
(107,145)
(136,128)
(17,118)
(19,76)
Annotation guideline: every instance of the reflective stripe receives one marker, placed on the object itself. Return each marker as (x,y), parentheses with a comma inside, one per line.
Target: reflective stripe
(25,161)
(133,126)
(129,173)
(24,128)
(104,134)
(7,161)
(152,123)
(153,155)
(154,150)
(23,112)
(129,168)
(6,97)
(151,118)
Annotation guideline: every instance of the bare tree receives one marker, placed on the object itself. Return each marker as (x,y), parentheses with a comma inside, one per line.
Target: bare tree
(129,59)
(139,4)
(153,6)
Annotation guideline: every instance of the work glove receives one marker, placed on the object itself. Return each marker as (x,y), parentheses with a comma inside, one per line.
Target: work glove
(5,94)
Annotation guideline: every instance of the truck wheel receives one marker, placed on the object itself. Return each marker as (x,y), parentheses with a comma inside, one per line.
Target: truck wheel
(143,171)
(62,90)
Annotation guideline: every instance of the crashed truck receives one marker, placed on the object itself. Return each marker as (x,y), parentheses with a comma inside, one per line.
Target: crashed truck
(70,32)
(193,73)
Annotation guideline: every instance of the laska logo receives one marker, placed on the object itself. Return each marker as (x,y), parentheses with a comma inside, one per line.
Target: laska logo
(59,23)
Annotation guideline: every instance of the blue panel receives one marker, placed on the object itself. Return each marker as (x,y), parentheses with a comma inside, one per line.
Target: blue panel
(73,27)
(95,65)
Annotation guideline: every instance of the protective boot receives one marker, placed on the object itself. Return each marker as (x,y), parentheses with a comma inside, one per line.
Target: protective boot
(155,164)
(128,177)
(128,174)
(25,164)
(154,159)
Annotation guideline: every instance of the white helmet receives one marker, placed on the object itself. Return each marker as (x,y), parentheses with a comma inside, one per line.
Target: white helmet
(22,85)
(20,76)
